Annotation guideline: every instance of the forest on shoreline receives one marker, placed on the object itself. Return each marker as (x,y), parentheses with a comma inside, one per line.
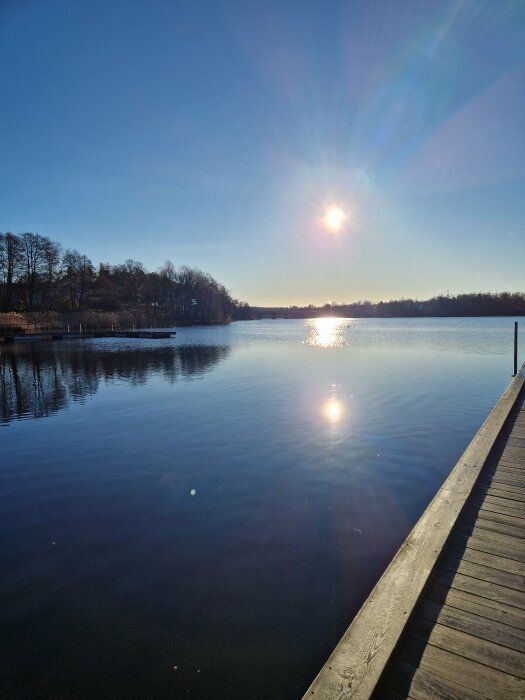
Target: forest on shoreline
(38,277)
(474,304)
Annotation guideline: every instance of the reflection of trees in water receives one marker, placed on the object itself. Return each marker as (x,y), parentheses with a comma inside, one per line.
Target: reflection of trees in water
(37,380)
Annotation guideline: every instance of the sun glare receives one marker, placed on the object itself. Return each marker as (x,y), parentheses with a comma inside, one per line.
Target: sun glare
(334,219)
(333,410)
(327,332)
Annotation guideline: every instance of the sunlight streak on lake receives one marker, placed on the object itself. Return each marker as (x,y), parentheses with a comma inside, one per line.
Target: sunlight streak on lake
(327,332)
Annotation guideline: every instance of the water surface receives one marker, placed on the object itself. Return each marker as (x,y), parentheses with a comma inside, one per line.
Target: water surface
(203,516)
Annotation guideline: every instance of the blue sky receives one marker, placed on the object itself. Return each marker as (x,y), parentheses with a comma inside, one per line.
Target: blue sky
(215,133)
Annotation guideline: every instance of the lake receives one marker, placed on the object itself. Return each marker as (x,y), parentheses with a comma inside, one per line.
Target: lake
(203,516)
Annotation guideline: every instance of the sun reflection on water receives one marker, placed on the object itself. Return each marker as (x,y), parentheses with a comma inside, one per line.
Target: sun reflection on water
(333,410)
(327,332)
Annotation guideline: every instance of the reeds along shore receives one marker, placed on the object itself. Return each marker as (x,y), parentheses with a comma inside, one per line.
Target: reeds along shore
(37,321)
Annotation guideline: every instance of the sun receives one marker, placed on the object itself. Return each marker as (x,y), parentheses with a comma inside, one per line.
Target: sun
(334,218)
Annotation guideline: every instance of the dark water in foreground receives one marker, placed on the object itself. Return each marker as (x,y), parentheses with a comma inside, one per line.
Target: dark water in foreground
(202,516)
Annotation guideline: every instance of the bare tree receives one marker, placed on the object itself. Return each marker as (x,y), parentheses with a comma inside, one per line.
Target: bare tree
(10,261)
(133,276)
(51,266)
(78,273)
(32,250)
(168,285)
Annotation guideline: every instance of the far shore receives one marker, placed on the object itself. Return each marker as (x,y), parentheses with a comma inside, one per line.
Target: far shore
(26,323)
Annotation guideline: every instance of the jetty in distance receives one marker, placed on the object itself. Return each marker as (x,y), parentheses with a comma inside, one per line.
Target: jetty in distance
(7,337)
(447,618)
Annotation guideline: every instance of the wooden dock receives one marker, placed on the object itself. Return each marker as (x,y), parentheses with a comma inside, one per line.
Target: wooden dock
(447,618)
(6,337)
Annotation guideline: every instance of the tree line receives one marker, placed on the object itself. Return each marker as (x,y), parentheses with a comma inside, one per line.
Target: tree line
(475,304)
(36,274)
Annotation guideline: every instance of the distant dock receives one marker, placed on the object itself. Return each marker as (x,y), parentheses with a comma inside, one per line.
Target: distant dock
(6,337)
(447,618)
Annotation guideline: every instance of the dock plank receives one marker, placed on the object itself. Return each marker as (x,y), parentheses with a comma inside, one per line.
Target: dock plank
(485,607)
(485,559)
(485,589)
(491,543)
(472,624)
(484,573)
(461,671)
(470,647)
(420,684)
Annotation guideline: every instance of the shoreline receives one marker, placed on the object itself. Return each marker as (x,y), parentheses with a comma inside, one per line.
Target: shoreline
(26,323)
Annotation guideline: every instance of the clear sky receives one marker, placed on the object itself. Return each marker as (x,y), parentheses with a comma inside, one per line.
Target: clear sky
(215,133)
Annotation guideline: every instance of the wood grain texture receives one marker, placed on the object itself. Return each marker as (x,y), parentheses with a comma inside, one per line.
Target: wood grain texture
(470,647)
(359,660)
(421,684)
(485,589)
(485,607)
(472,624)
(492,543)
(462,671)
(484,573)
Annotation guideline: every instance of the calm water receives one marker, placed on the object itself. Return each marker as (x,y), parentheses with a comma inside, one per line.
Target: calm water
(203,516)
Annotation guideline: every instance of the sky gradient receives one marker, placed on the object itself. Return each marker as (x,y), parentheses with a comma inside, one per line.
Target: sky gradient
(215,133)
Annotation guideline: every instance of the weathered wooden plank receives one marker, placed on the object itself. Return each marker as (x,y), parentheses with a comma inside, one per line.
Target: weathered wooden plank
(501,468)
(463,671)
(467,645)
(470,623)
(501,490)
(515,453)
(484,573)
(505,506)
(500,501)
(421,684)
(355,666)
(512,493)
(516,522)
(508,480)
(512,461)
(511,468)
(485,589)
(493,561)
(512,439)
(492,543)
(492,525)
(515,441)
(504,479)
(485,607)
(488,514)
(515,444)
(518,431)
